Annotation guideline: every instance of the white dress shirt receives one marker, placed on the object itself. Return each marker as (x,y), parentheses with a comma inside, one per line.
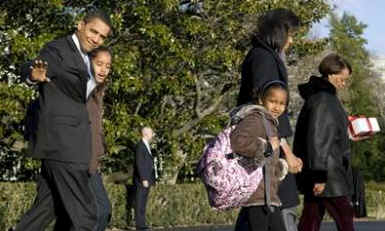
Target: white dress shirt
(147,146)
(91,83)
(155,159)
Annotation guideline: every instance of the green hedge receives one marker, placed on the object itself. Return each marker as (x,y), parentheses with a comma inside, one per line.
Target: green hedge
(169,205)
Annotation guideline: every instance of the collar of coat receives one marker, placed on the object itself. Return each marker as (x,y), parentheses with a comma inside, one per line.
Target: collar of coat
(316,84)
(240,112)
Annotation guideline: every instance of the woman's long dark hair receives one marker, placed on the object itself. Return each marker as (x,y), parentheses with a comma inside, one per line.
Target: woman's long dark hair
(274,27)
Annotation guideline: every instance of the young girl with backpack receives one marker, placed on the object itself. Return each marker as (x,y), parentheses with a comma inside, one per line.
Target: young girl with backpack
(256,136)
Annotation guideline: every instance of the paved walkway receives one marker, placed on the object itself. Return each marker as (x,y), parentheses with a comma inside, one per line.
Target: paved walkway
(326,226)
(358,226)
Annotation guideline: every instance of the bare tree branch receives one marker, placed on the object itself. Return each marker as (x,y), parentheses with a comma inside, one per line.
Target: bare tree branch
(198,99)
(138,108)
(214,106)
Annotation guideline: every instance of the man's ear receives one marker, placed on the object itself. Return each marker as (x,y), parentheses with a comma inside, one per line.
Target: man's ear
(81,25)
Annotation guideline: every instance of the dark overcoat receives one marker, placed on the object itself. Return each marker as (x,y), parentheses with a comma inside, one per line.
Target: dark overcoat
(321,140)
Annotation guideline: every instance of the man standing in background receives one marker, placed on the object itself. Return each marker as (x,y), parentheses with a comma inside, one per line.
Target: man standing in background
(144,177)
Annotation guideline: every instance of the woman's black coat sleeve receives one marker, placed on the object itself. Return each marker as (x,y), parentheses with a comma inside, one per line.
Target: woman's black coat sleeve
(320,139)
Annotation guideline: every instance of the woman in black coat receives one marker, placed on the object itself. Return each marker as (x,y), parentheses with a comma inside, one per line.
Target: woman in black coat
(322,142)
(264,63)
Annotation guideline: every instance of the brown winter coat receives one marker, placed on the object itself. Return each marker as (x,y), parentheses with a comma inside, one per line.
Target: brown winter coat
(245,140)
(95,112)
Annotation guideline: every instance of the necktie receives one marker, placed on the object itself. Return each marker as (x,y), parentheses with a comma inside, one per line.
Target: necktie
(91,84)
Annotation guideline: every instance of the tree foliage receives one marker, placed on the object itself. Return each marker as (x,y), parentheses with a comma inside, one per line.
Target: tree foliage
(175,67)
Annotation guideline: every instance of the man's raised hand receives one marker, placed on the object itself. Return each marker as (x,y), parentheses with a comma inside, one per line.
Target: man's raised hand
(39,71)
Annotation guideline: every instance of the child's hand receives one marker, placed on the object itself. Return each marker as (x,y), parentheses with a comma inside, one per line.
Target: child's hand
(295,163)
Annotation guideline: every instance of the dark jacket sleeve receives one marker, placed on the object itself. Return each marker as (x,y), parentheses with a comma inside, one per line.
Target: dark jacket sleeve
(322,131)
(284,128)
(245,138)
(141,163)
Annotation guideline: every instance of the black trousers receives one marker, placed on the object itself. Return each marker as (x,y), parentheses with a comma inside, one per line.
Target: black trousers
(257,218)
(64,193)
(141,197)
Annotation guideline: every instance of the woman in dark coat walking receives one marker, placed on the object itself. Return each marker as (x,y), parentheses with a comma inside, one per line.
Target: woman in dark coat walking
(322,142)
(264,63)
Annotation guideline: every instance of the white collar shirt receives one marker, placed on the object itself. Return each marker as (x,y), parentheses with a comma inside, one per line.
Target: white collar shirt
(91,83)
(155,159)
(147,146)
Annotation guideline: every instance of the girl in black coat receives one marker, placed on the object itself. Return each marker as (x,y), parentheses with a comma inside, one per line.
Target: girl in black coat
(322,142)
(262,64)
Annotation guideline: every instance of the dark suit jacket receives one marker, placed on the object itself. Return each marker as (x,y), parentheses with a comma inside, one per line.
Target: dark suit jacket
(62,129)
(144,165)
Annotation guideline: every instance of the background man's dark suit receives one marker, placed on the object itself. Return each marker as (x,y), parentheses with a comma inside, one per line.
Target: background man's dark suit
(143,171)
(62,140)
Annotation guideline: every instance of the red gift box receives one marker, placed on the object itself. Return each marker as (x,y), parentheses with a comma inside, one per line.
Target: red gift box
(362,126)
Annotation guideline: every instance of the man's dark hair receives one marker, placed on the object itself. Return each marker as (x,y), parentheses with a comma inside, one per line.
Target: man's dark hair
(274,28)
(333,64)
(99,14)
(96,51)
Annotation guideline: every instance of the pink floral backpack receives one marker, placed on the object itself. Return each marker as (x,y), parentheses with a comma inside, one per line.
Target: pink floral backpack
(230,179)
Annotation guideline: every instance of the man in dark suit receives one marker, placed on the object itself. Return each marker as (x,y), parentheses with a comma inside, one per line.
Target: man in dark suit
(144,177)
(62,135)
